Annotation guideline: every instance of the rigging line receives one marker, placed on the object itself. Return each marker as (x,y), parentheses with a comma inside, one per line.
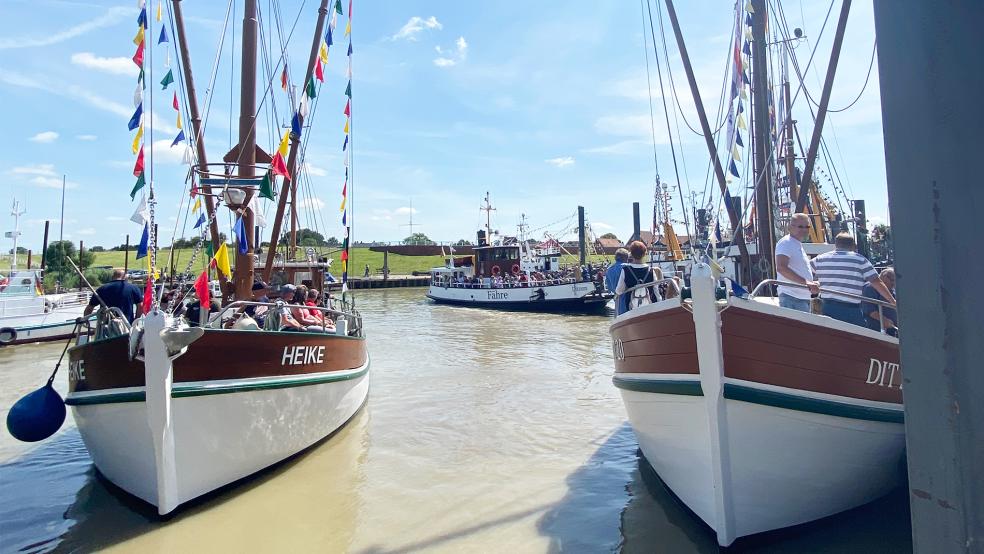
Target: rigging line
(649,90)
(783,29)
(232,72)
(871,65)
(662,89)
(215,70)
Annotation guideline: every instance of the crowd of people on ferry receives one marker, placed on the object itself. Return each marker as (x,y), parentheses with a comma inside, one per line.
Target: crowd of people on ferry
(291,308)
(517,280)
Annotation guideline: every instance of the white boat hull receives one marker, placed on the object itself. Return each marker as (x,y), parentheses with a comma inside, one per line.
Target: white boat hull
(565,296)
(218,438)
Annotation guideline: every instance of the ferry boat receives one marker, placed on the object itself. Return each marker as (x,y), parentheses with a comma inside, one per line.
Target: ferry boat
(515,277)
(29,315)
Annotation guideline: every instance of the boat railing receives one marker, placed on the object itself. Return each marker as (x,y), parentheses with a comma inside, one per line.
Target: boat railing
(882,304)
(352,316)
(520,285)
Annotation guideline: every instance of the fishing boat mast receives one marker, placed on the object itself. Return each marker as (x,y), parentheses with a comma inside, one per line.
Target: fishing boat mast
(762,144)
(243,274)
(295,142)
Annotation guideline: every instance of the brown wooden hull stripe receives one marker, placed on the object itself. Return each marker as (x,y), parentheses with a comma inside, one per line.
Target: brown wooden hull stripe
(661,342)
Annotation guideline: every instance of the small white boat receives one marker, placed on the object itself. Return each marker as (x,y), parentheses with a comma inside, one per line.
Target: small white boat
(759,417)
(29,315)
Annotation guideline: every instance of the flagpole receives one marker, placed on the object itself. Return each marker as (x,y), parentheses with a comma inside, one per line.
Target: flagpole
(61,222)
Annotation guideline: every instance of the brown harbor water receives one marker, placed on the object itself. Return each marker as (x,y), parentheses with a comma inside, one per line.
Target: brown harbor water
(484,432)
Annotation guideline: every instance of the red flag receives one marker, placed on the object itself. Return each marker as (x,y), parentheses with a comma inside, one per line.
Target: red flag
(139,166)
(138,57)
(283,78)
(201,289)
(345,188)
(278,167)
(350,10)
(348,108)
(344,255)
(175,102)
(319,72)
(148,299)
(194,186)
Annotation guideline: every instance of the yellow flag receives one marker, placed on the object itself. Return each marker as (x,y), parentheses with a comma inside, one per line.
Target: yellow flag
(158,10)
(741,121)
(323,54)
(222,260)
(140,36)
(179,120)
(748,7)
(136,139)
(348,28)
(735,154)
(342,207)
(345,130)
(344,266)
(198,205)
(284,143)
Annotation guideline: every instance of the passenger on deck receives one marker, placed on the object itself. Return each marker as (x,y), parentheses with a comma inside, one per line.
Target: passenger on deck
(845,270)
(888,319)
(792,266)
(635,273)
(118,294)
(312,301)
(614,272)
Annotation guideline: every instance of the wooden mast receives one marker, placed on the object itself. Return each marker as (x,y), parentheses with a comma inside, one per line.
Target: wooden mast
(802,201)
(243,275)
(196,128)
(295,142)
(762,141)
(738,235)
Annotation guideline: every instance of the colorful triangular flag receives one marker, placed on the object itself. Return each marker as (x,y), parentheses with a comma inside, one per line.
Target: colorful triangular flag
(350,51)
(284,144)
(138,56)
(323,52)
(222,260)
(144,240)
(345,144)
(266,186)
(348,108)
(734,169)
(141,215)
(163,37)
(135,119)
(198,205)
(328,40)
(138,95)
(139,166)
(319,72)
(167,80)
(139,37)
(278,167)
(346,129)
(283,78)
(177,139)
(348,89)
(338,7)
(178,124)
(295,125)
(240,229)
(159,2)
(201,221)
(174,103)
(142,18)
(311,92)
(137,186)
(348,28)
(136,139)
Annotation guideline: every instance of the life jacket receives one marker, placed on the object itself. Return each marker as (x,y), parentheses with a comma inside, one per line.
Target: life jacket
(636,276)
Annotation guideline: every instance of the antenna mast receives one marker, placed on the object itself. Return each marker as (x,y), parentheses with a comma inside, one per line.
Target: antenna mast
(16,212)
(488,209)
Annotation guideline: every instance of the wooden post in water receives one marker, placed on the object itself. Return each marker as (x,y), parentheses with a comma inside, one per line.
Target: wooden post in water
(581,243)
(44,245)
(931,77)
(81,265)
(28,258)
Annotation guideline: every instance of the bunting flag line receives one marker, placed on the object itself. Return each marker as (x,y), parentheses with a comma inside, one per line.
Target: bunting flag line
(348,28)
(346,129)
(194,186)
(323,53)
(142,18)
(136,139)
(338,7)
(179,138)
(135,119)
(302,107)
(350,53)
(137,186)
(167,80)
(138,167)
(201,289)
(138,56)
(221,260)
(348,108)
(345,144)
(144,239)
(319,72)
(284,144)
(139,37)
(348,89)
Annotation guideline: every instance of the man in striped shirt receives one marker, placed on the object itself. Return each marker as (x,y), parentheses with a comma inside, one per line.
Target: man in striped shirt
(844,270)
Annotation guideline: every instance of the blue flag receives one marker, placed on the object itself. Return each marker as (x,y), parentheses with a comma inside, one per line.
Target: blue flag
(179,138)
(201,221)
(240,230)
(345,144)
(344,217)
(737,289)
(738,140)
(135,120)
(350,48)
(142,18)
(328,37)
(163,35)
(144,239)
(734,169)
(295,125)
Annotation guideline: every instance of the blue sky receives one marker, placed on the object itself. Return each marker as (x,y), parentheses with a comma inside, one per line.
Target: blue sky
(543,104)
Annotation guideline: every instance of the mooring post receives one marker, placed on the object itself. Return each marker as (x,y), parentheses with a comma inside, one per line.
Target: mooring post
(931,77)
(44,246)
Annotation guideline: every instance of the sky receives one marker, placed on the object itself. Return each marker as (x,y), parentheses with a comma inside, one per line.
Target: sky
(543,105)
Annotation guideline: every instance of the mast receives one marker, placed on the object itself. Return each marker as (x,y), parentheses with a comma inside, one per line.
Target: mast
(16,212)
(802,202)
(762,140)
(488,209)
(738,235)
(788,124)
(295,142)
(243,275)
(196,128)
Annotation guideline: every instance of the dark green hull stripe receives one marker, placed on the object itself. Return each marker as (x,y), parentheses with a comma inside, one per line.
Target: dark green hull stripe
(685,388)
(183,391)
(814,405)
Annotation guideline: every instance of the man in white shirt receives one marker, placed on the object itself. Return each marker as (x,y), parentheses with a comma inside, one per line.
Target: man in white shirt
(792,266)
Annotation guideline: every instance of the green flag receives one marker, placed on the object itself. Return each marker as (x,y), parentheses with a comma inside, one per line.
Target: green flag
(168,79)
(208,249)
(266,187)
(139,185)
(141,80)
(348,89)
(310,88)
(338,7)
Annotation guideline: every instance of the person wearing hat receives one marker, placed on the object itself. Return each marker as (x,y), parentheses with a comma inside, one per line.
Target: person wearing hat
(287,321)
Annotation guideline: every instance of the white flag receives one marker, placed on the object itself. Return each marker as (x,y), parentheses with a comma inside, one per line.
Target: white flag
(187,158)
(258,218)
(138,96)
(302,108)
(142,215)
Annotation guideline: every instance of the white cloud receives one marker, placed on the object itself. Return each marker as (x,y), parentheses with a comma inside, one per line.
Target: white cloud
(624,147)
(86,231)
(46,170)
(111,17)
(51,182)
(86,137)
(118,66)
(315,203)
(44,137)
(561,162)
(602,226)
(415,25)
(405,210)
(165,154)
(314,171)
(453,57)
